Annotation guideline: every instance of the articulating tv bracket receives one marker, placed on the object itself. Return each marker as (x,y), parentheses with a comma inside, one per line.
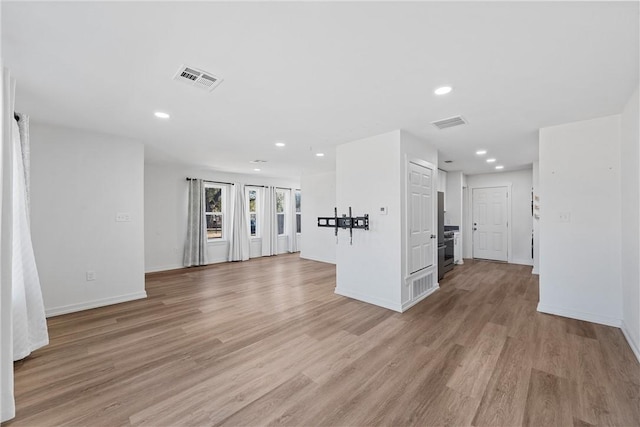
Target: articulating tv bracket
(344,222)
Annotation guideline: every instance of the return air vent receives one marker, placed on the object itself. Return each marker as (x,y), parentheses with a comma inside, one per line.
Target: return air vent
(257,161)
(449,122)
(198,78)
(422,285)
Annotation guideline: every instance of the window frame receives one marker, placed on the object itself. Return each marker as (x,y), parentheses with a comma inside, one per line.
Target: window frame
(283,213)
(248,212)
(222,213)
(297,194)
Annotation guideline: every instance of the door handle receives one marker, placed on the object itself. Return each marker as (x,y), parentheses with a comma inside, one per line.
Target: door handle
(433,236)
(474,229)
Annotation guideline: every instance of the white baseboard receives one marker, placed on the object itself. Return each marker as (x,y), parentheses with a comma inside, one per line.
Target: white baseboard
(635,347)
(407,305)
(535,271)
(164,268)
(369,299)
(522,261)
(579,315)
(316,259)
(72,308)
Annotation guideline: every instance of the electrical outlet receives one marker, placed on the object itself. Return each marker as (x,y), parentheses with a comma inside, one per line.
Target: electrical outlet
(384,210)
(91,275)
(564,217)
(123,217)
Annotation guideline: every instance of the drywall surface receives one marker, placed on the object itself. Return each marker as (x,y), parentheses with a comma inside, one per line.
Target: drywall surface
(370,268)
(630,222)
(579,220)
(165,203)
(521,221)
(319,190)
(80,181)
(453,215)
(536,221)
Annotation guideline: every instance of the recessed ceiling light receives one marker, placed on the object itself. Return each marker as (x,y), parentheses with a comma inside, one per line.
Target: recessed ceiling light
(161,115)
(499,167)
(280,144)
(443,90)
(481,152)
(320,154)
(257,169)
(491,160)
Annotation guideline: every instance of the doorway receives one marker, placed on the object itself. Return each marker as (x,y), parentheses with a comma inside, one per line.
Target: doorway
(420,217)
(490,223)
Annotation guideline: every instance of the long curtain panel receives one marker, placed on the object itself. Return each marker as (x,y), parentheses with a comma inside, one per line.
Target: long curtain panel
(239,242)
(195,247)
(29,320)
(269,224)
(7,403)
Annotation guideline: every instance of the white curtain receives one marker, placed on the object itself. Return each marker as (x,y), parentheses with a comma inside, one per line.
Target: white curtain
(293,229)
(239,243)
(269,223)
(7,405)
(29,320)
(195,247)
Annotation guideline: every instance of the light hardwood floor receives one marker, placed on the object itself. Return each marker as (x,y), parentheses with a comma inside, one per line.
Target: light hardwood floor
(268,342)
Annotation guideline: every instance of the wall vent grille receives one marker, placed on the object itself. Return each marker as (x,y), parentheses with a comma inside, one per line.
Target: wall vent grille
(422,285)
(197,78)
(449,122)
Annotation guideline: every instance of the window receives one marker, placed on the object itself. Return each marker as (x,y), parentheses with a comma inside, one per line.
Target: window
(214,205)
(298,212)
(281,209)
(252,211)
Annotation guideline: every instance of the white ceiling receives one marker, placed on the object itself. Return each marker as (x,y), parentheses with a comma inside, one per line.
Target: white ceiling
(317,75)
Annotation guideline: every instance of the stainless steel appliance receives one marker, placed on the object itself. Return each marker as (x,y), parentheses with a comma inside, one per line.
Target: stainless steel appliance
(445,241)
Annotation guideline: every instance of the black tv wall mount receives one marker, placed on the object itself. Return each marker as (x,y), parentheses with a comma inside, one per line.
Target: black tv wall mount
(345,222)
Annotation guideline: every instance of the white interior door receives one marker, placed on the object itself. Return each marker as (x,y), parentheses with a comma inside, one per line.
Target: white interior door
(490,223)
(421,227)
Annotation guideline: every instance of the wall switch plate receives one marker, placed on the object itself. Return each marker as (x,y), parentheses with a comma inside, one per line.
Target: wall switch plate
(564,217)
(91,275)
(123,217)
(384,210)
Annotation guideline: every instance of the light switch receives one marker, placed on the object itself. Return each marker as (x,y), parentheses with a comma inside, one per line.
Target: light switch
(123,217)
(91,275)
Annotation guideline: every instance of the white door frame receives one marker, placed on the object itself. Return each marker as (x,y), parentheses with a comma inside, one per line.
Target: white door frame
(509,222)
(434,214)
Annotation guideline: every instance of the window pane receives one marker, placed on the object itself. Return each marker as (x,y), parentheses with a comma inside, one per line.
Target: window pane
(280,224)
(252,200)
(298,223)
(213,199)
(214,226)
(297,201)
(252,223)
(279,201)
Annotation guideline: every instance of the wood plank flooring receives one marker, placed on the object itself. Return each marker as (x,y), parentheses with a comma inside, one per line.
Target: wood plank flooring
(267,342)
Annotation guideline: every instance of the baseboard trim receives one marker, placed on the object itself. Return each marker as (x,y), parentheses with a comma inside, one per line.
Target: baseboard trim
(579,315)
(165,268)
(368,299)
(522,261)
(72,308)
(310,258)
(535,271)
(634,345)
(407,305)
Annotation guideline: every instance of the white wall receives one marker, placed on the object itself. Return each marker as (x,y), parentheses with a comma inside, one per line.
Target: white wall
(319,199)
(453,215)
(580,258)
(521,222)
(370,269)
(630,222)
(165,202)
(79,181)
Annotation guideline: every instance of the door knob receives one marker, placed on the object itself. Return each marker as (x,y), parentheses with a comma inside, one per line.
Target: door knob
(433,236)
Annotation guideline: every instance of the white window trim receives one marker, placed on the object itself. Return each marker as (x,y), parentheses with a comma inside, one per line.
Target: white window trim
(225,213)
(258,235)
(284,212)
(298,213)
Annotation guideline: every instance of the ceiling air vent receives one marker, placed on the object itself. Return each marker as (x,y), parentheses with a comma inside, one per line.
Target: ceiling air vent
(449,122)
(257,161)
(198,78)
